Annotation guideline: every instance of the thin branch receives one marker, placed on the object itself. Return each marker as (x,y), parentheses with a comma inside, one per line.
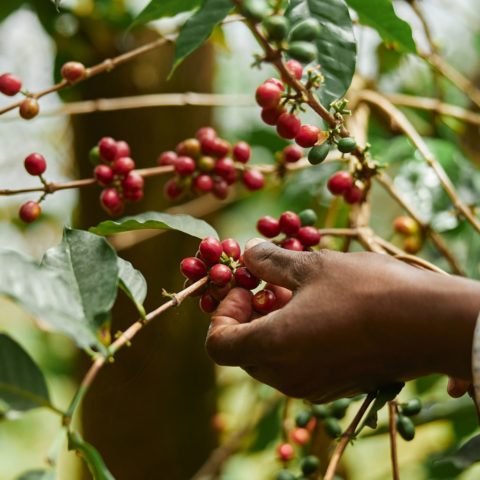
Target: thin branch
(392,423)
(346,437)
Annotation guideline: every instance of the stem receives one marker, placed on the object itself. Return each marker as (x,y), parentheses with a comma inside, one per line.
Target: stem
(392,416)
(346,437)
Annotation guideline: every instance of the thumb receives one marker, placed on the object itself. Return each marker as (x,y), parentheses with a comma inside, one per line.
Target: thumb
(276,265)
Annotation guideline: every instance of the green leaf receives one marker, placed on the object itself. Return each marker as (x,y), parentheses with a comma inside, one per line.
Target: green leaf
(37,475)
(380,15)
(133,283)
(157,9)
(336,46)
(8,7)
(158,221)
(22,384)
(91,456)
(199,27)
(466,455)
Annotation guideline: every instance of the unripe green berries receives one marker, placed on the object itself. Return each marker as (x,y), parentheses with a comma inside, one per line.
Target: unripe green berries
(94,155)
(309,464)
(405,428)
(304,52)
(339,407)
(285,475)
(276,28)
(347,144)
(318,153)
(308,217)
(412,407)
(255,9)
(321,411)
(302,419)
(307,30)
(332,427)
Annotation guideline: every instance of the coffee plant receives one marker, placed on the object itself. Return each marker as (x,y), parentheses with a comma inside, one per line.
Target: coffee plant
(341,149)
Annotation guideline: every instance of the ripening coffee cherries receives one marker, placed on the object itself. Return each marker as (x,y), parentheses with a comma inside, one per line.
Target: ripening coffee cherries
(114,170)
(300,234)
(209,164)
(411,232)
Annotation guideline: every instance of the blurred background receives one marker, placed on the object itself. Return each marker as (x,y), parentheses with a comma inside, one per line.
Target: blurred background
(162,407)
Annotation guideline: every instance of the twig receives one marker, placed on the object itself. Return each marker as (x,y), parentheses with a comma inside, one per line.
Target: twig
(392,414)
(346,437)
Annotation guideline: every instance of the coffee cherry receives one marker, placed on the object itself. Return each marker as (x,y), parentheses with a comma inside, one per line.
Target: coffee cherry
(225,168)
(123,165)
(220,274)
(10,84)
(108,148)
(104,175)
(276,28)
(412,407)
(321,411)
(219,292)
(319,153)
(173,189)
(300,436)
(268,95)
(188,148)
(302,419)
(288,125)
(111,201)
(264,301)
(220,188)
(207,303)
(339,183)
(304,52)
(307,30)
(193,268)
(167,158)
(347,144)
(353,195)
(29,211)
(292,154)
(242,152)
(412,245)
(206,132)
(73,71)
(29,108)
(285,452)
(206,164)
(35,164)
(255,9)
(292,243)
(339,407)
(308,217)
(406,226)
(289,223)
(214,146)
(203,183)
(285,475)
(405,428)
(309,236)
(123,149)
(307,136)
(271,115)
(309,464)
(133,181)
(268,226)
(245,279)
(184,166)
(133,195)
(276,82)
(210,249)
(253,180)
(295,68)
(231,248)
(332,427)
(94,155)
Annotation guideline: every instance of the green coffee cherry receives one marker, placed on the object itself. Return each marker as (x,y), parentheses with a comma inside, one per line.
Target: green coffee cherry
(94,156)
(339,407)
(405,428)
(321,411)
(304,52)
(332,427)
(412,407)
(308,218)
(302,419)
(276,28)
(318,153)
(309,464)
(285,475)
(255,9)
(307,30)
(347,144)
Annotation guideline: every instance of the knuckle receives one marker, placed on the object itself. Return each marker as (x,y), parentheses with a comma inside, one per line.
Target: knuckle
(213,346)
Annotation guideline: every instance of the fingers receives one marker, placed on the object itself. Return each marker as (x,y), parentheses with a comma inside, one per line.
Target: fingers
(277,265)
(457,388)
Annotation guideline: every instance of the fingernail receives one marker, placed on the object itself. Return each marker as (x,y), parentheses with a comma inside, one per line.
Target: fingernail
(253,242)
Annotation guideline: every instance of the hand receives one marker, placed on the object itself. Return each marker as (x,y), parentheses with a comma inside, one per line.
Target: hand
(345,323)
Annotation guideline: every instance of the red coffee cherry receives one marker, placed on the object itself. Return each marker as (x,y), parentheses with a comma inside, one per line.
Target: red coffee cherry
(108,148)
(188,148)
(29,108)
(292,154)
(214,146)
(133,181)
(211,249)
(35,164)
(264,301)
(133,195)
(220,274)
(203,183)
(184,166)
(353,195)
(307,136)
(300,436)
(288,125)
(207,303)
(206,132)
(245,279)
(172,189)
(104,175)
(253,179)
(220,188)
(242,152)
(276,82)
(309,236)
(285,452)
(231,248)
(123,165)
(123,149)
(111,201)
(10,84)
(292,243)
(339,183)
(73,71)
(268,226)
(167,158)
(29,211)
(268,95)
(271,115)
(295,68)
(290,223)
(225,168)
(193,268)
(406,226)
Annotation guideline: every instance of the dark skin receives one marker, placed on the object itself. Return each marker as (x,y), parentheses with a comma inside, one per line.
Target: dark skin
(346,323)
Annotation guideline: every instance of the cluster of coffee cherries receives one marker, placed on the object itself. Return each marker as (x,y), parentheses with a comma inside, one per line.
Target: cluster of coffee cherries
(343,184)
(35,164)
(114,170)
(298,229)
(222,262)
(405,426)
(209,164)
(411,233)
